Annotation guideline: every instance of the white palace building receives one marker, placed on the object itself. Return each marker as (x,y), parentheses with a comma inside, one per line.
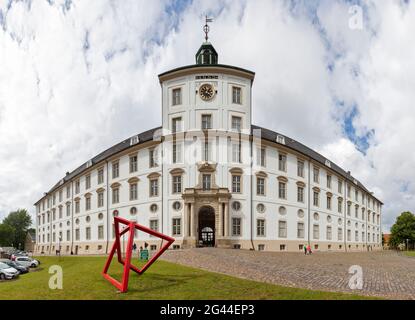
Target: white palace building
(209,177)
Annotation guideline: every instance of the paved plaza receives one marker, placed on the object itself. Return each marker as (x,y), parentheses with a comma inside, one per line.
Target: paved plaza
(386,274)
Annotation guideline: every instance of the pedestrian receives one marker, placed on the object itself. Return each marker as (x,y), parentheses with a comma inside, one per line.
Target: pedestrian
(305,249)
(309,249)
(134,247)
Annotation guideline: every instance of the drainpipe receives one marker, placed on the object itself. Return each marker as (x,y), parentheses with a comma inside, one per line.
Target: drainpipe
(108,212)
(345,215)
(251,144)
(72,212)
(309,203)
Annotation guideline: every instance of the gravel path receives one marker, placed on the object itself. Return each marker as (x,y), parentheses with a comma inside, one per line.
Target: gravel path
(385,274)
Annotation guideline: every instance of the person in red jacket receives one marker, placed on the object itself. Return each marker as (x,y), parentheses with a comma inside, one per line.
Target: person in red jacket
(309,249)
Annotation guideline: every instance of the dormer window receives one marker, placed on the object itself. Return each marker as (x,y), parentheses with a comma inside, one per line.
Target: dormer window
(134,140)
(177,96)
(280,139)
(89,164)
(328,164)
(236,95)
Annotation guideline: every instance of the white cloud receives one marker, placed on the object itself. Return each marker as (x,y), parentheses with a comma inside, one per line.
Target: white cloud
(79,78)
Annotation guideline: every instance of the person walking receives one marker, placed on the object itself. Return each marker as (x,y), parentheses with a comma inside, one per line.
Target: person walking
(305,249)
(309,249)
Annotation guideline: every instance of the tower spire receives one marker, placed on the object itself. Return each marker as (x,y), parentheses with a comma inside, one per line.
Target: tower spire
(206,28)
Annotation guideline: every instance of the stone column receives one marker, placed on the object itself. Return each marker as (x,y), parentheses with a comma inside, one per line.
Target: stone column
(220,224)
(193,218)
(226,220)
(185,221)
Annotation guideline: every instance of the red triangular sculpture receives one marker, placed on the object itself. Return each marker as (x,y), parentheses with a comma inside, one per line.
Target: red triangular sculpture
(131,226)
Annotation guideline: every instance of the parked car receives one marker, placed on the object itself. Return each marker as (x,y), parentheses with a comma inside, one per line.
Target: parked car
(21,268)
(7,272)
(27,262)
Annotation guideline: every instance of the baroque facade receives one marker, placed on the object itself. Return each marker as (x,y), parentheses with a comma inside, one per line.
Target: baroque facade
(208,177)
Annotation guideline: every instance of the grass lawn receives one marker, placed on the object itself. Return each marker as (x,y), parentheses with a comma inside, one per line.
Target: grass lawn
(82,279)
(410,253)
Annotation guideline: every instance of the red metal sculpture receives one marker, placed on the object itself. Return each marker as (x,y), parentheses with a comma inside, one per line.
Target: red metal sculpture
(130,228)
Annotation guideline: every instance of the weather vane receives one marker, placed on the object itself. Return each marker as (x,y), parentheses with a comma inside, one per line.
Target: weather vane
(206,28)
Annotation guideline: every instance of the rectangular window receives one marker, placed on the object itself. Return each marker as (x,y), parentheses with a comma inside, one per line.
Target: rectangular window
(154,187)
(154,225)
(300,168)
(261,157)
(236,95)
(77,235)
(100,176)
(236,124)
(236,152)
(68,235)
(260,186)
(68,192)
(300,194)
(133,163)
(87,182)
(236,183)
(153,159)
(328,235)
(100,199)
(177,184)
(115,170)
(77,206)
(328,203)
(206,121)
(260,228)
(282,162)
(340,234)
(177,227)
(356,195)
(88,233)
(177,96)
(349,235)
(177,153)
(176,125)
(316,231)
(133,191)
(316,175)
(77,187)
(282,190)
(300,230)
(236,227)
(356,211)
(61,196)
(340,187)
(206,151)
(282,229)
(349,205)
(60,212)
(349,191)
(356,236)
(88,203)
(100,232)
(206,181)
(316,200)
(115,195)
(339,205)
(329,181)
(68,209)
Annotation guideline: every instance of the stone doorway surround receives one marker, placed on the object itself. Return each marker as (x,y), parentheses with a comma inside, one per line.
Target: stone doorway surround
(196,198)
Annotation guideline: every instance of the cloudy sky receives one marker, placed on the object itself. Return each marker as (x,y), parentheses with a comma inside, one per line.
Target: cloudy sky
(77,77)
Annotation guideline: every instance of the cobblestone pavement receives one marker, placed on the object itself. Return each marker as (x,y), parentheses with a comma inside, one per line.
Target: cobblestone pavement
(385,273)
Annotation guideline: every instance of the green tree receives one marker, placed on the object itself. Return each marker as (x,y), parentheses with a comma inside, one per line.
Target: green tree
(403,229)
(6,235)
(19,221)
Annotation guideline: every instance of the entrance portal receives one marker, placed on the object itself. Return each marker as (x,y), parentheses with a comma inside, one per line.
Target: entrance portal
(207,227)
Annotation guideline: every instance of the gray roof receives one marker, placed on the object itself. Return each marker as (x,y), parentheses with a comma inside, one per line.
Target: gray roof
(266,134)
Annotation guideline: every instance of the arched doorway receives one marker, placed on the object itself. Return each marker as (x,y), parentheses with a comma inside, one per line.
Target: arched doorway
(207,226)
